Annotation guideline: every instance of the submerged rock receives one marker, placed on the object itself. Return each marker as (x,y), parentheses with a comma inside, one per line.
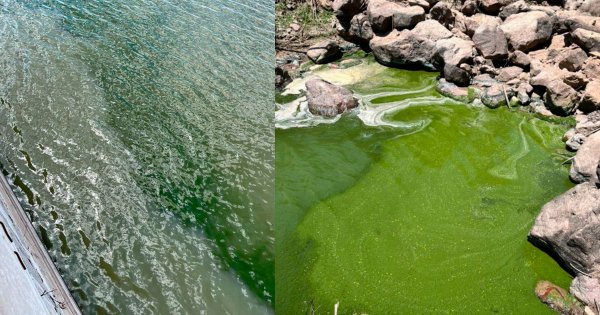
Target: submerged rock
(557,298)
(327,99)
(567,228)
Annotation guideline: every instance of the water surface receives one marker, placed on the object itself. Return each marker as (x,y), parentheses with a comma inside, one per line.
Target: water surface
(415,205)
(139,137)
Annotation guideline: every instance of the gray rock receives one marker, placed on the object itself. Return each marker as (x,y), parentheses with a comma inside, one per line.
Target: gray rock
(588,40)
(571,58)
(591,7)
(360,31)
(453,91)
(591,97)
(576,80)
(568,21)
(408,17)
(492,6)
(509,73)
(591,68)
(575,142)
(560,98)
(403,49)
(346,9)
(494,97)
(586,161)
(456,75)
(381,13)
(567,227)
(586,289)
(491,41)
(520,59)
(327,99)
(469,7)
(528,30)
(453,51)
(431,30)
(442,13)
(513,8)
(324,51)
(589,125)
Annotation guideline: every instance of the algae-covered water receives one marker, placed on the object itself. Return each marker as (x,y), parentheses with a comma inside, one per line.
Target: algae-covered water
(426,211)
(138,136)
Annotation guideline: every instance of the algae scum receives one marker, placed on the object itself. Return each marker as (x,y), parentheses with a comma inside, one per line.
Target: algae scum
(146,169)
(426,212)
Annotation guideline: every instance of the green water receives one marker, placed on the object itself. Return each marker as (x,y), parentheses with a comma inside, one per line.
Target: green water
(426,219)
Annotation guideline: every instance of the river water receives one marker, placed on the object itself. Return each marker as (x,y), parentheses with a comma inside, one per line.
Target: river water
(139,138)
(414,203)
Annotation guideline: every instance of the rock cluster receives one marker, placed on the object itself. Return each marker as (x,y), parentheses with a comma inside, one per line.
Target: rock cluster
(507,52)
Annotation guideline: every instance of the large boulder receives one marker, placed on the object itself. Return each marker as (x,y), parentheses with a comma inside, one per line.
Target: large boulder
(491,41)
(528,30)
(591,97)
(453,51)
(567,227)
(442,12)
(327,99)
(568,21)
(409,48)
(403,49)
(324,51)
(586,289)
(408,17)
(586,161)
(431,30)
(560,98)
(588,40)
(346,9)
(381,13)
(360,31)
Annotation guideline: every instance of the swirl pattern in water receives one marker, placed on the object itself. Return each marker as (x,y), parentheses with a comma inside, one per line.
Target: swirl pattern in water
(139,137)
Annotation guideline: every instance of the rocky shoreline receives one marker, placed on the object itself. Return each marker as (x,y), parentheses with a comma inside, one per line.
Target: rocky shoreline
(540,57)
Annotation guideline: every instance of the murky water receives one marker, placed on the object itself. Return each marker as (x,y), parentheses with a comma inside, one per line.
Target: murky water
(139,137)
(414,204)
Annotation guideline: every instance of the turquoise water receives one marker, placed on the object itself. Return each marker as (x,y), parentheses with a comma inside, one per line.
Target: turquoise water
(139,138)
